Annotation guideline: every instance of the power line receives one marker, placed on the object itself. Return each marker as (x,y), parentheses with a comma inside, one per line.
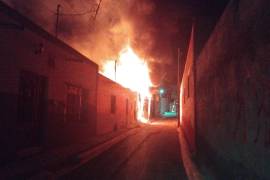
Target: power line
(97,9)
(76,14)
(92,10)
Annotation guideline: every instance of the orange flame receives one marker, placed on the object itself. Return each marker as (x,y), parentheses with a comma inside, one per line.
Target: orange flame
(132,72)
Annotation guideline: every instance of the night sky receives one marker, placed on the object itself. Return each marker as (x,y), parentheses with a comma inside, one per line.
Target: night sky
(180,15)
(154,28)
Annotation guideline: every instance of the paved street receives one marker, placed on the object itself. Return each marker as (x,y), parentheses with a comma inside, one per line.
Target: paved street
(152,153)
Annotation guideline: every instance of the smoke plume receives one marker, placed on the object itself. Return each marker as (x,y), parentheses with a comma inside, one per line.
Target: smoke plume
(100,32)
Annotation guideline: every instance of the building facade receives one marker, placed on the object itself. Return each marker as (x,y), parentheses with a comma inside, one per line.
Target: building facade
(51,95)
(48,90)
(187,97)
(230,103)
(116,106)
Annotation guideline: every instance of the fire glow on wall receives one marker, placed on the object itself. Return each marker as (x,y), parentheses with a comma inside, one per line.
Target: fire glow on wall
(131,72)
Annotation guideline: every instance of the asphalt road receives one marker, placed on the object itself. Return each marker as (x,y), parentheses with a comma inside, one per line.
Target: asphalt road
(152,153)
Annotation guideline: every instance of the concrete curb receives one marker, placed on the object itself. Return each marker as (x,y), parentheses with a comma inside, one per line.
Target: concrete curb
(85,156)
(190,167)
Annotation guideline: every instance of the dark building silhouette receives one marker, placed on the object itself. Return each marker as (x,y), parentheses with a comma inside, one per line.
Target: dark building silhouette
(225,93)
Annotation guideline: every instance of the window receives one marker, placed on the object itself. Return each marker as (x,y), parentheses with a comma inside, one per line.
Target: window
(32,97)
(74,102)
(32,105)
(85,105)
(113,104)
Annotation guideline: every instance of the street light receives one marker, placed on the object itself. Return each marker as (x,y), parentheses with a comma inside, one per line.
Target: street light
(161,91)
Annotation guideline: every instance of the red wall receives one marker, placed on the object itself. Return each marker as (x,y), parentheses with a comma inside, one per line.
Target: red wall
(18,48)
(232,93)
(107,121)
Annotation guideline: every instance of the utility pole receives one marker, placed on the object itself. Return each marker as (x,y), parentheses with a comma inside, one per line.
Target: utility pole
(57,19)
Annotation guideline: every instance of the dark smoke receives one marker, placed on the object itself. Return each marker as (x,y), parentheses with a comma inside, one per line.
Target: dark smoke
(154,28)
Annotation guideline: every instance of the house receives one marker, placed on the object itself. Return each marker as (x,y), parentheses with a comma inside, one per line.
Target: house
(116,106)
(48,90)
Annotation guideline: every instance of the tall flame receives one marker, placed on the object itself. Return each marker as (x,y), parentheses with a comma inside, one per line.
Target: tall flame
(132,72)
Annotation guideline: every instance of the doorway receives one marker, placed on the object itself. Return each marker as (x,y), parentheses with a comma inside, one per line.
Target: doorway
(32,108)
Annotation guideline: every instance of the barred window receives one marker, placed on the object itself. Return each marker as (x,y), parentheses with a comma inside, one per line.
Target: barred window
(74,102)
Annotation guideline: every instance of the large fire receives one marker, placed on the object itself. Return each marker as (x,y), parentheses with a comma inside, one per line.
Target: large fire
(132,72)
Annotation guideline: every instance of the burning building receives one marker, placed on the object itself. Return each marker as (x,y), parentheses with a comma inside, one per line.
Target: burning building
(116,106)
(132,72)
(50,94)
